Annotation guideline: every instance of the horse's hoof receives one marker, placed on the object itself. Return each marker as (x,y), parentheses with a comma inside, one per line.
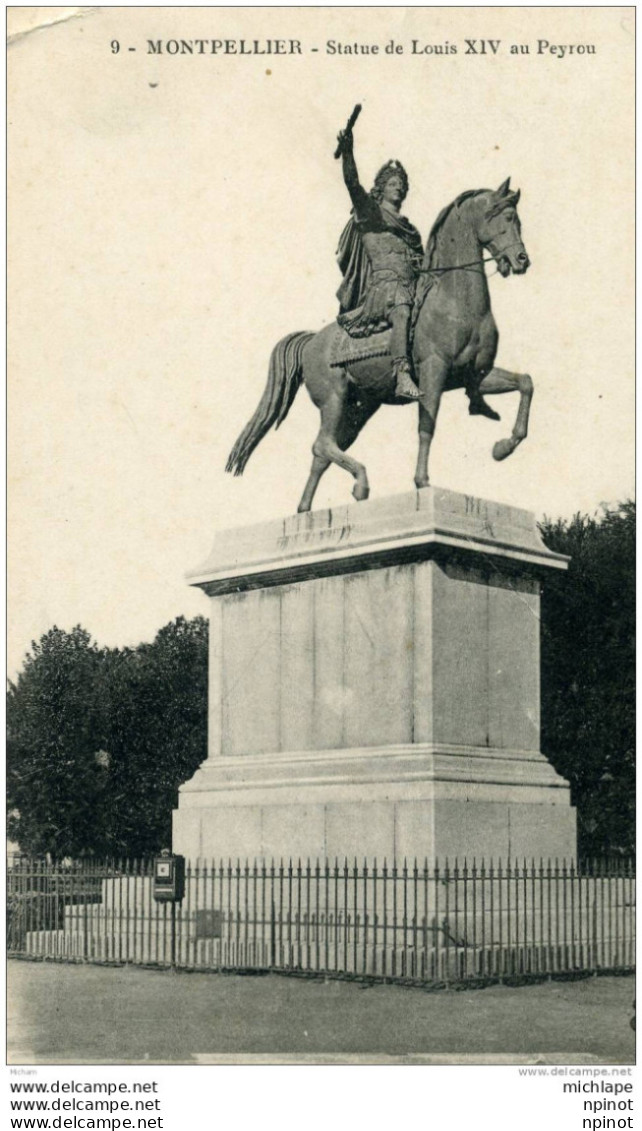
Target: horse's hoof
(419,483)
(503,448)
(360,492)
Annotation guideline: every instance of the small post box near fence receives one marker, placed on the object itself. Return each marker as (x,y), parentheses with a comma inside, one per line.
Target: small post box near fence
(169,887)
(169,877)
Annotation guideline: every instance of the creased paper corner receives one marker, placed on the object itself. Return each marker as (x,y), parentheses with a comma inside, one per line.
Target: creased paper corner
(22,21)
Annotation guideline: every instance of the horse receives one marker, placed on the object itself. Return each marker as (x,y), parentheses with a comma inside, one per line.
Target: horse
(454,346)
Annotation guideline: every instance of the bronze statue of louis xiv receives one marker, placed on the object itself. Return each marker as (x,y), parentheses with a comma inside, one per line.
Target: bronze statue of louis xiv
(392,331)
(379,255)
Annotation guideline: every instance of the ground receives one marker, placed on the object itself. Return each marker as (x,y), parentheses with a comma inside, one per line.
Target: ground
(92,1014)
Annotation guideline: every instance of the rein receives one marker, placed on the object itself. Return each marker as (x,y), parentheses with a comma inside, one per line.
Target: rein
(455,267)
(465,266)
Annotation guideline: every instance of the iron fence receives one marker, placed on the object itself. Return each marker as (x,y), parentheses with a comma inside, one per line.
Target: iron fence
(442,923)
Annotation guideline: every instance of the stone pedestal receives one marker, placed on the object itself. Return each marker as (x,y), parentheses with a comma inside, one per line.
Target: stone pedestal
(374,687)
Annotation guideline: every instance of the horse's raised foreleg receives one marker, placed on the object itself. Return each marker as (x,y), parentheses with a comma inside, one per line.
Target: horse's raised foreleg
(432,376)
(503,381)
(336,432)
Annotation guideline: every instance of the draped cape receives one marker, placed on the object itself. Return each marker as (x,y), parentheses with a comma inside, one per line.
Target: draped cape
(351,254)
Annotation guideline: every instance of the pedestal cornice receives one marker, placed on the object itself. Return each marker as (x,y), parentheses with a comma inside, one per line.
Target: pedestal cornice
(362,536)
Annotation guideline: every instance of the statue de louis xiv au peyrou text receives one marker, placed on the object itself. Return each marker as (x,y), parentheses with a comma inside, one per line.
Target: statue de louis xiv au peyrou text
(374,668)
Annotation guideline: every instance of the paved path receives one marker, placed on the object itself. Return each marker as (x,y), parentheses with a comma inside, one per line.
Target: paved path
(92,1014)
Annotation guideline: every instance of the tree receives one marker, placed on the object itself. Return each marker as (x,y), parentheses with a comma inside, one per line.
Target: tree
(155,730)
(99,740)
(588,673)
(54,782)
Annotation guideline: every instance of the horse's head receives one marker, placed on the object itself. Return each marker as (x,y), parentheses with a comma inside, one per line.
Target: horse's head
(500,231)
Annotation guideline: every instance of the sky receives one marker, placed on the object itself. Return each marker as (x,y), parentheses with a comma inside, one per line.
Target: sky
(173,217)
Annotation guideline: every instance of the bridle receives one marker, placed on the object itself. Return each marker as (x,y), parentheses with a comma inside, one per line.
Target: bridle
(466,266)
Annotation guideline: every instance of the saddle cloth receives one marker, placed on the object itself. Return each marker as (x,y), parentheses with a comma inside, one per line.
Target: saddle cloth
(346,350)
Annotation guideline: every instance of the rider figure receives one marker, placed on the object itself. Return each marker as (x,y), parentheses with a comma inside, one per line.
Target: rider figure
(379,255)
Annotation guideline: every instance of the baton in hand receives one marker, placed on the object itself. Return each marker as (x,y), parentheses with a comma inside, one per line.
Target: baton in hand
(351,121)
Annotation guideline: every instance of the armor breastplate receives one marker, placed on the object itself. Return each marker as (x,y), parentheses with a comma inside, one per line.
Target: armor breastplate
(388,253)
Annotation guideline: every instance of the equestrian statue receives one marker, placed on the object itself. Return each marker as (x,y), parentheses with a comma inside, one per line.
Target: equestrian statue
(411,324)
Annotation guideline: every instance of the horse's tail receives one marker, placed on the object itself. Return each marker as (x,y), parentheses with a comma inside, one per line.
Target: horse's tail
(285,375)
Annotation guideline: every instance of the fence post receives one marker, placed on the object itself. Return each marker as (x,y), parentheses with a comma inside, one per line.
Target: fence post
(272,927)
(85,925)
(384,962)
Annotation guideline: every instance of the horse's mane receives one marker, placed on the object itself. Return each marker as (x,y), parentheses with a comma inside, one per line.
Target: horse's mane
(431,245)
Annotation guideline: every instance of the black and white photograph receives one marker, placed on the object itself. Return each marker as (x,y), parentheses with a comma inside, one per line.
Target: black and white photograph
(321,552)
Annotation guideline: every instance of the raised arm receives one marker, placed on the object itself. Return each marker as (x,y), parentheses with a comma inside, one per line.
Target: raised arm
(358,194)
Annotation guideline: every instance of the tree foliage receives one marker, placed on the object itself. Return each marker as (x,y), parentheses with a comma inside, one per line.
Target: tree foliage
(588,673)
(53,732)
(99,740)
(155,730)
